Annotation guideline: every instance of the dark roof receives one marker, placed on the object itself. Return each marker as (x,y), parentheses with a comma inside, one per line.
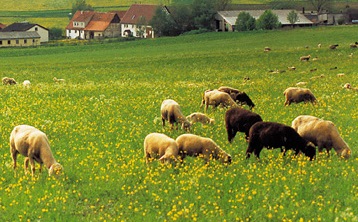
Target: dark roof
(20,26)
(119,13)
(2,26)
(137,12)
(19,35)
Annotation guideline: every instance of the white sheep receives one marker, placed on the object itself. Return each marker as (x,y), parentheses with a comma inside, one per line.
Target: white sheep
(305,58)
(216,98)
(33,144)
(193,145)
(198,117)
(347,86)
(267,49)
(58,80)
(158,145)
(26,83)
(297,95)
(8,81)
(322,133)
(171,112)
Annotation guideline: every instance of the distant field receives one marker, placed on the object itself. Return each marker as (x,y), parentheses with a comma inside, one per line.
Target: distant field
(97,120)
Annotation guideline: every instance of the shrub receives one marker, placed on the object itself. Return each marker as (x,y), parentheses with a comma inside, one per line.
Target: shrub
(245,22)
(268,20)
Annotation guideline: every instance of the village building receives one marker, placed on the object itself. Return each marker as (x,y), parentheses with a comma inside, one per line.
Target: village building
(19,39)
(2,26)
(28,27)
(225,20)
(94,25)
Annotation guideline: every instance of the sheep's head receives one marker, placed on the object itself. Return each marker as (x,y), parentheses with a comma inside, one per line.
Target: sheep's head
(346,153)
(310,150)
(56,169)
(211,121)
(186,126)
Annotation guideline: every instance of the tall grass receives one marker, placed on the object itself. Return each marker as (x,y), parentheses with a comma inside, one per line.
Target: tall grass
(96,123)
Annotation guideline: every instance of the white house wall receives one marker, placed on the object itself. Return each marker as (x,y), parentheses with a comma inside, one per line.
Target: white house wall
(72,34)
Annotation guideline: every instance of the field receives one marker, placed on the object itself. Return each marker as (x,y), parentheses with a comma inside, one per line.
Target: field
(97,120)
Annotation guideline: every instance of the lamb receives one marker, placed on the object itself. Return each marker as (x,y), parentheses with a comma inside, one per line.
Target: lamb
(158,145)
(58,80)
(239,97)
(193,145)
(26,83)
(171,112)
(347,86)
(333,46)
(297,95)
(277,135)
(239,120)
(216,98)
(322,133)
(305,58)
(34,145)
(199,117)
(8,81)
(267,49)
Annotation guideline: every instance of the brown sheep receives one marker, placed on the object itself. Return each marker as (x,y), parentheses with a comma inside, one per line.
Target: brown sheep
(297,95)
(239,120)
(198,117)
(277,135)
(193,145)
(8,81)
(171,112)
(216,98)
(160,146)
(333,46)
(33,144)
(305,58)
(322,133)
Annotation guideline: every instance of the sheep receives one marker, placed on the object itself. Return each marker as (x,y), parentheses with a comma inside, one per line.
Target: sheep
(267,49)
(34,145)
(301,83)
(239,97)
(297,95)
(159,145)
(277,135)
(347,86)
(305,58)
(26,83)
(193,145)
(291,68)
(58,80)
(216,98)
(171,112)
(333,46)
(322,133)
(8,81)
(340,75)
(352,45)
(319,45)
(239,120)
(199,117)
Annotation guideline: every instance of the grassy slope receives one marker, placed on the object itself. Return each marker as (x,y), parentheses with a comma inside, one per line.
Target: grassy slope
(96,123)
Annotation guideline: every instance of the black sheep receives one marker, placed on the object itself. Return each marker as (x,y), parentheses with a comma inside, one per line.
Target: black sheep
(239,97)
(277,135)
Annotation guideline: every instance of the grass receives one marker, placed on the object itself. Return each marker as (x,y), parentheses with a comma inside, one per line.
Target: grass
(96,123)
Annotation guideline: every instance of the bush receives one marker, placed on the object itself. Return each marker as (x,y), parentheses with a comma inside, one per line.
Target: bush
(268,20)
(245,22)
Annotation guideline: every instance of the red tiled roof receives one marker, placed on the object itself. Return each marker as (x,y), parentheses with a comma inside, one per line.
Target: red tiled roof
(2,26)
(137,12)
(100,21)
(120,13)
(80,16)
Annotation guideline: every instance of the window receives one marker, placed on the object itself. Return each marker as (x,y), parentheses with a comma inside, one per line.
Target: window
(0,42)
(17,41)
(36,29)
(25,41)
(8,42)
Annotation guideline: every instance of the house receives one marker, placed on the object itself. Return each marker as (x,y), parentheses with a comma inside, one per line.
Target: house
(136,21)
(28,27)
(225,20)
(94,25)
(2,26)
(19,39)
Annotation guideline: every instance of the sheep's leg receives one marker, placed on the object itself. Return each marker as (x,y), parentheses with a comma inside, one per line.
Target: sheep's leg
(26,164)
(32,163)
(14,157)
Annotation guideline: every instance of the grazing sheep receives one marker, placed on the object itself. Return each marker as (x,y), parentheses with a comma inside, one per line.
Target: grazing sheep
(340,74)
(158,145)
(26,83)
(353,45)
(216,98)
(347,86)
(58,80)
(301,83)
(322,133)
(193,145)
(297,95)
(199,117)
(305,58)
(333,46)
(239,120)
(239,97)
(8,81)
(267,49)
(171,112)
(277,135)
(33,144)
(291,68)
(319,45)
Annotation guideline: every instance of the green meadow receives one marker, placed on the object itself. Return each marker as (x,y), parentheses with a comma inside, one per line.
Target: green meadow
(97,120)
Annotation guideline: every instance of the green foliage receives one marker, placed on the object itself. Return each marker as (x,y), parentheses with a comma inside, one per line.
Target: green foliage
(81,5)
(164,24)
(268,20)
(56,33)
(292,17)
(97,120)
(245,22)
(203,13)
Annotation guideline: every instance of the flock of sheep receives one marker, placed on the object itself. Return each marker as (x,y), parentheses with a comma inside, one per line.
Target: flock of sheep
(303,136)
(25,83)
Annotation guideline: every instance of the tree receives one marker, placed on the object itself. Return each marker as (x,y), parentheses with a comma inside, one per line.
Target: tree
(55,33)
(245,22)
(319,5)
(268,20)
(292,17)
(81,5)
(203,13)
(164,24)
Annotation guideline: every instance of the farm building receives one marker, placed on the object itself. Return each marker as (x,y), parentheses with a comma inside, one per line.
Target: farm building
(2,26)
(19,39)
(225,20)
(136,19)
(94,25)
(28,27)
